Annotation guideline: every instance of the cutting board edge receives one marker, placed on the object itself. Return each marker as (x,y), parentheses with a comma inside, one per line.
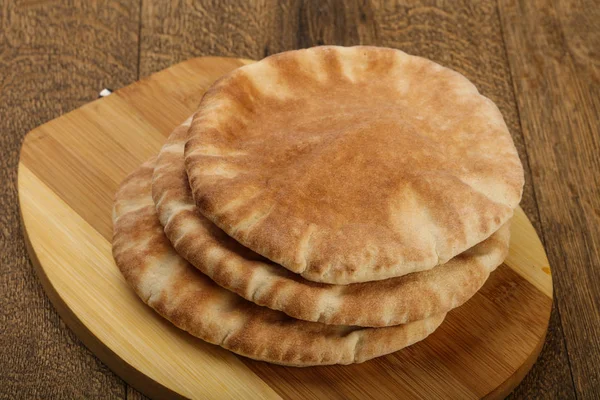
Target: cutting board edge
(115,363)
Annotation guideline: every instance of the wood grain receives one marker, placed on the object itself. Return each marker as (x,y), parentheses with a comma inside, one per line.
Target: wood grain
(176,31)
(553,49)
(54,57)
(484,348)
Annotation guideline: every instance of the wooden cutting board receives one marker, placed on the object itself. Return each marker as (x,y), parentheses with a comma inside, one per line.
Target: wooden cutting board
(68,173)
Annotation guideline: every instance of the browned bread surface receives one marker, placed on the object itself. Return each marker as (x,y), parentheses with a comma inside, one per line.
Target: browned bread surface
(352,164)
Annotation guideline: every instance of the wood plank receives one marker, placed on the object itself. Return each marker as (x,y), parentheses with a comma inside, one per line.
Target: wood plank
(463,35)
(552,48)
(54,57)
(177,31)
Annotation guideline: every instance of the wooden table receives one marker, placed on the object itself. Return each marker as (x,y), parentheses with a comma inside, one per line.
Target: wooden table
(538,60)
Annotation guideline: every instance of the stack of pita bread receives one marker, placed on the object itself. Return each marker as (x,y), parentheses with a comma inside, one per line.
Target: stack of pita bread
(322,206)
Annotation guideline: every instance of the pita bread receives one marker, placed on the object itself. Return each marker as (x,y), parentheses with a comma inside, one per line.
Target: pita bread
(352,164)
(381,303)
(189,299)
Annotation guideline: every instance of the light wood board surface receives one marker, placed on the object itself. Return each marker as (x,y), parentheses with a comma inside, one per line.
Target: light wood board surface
(68,173)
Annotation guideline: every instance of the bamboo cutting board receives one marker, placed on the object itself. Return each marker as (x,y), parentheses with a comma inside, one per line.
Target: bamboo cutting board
(68,173)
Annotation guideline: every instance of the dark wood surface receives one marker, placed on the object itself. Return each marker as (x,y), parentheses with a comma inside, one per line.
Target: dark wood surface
(538,60)
(554,55)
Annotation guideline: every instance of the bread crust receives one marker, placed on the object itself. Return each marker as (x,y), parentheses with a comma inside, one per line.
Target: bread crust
(353,164)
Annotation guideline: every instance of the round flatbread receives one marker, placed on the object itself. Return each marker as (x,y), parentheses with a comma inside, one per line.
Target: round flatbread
(193,302)
(381,303)
(352,164)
